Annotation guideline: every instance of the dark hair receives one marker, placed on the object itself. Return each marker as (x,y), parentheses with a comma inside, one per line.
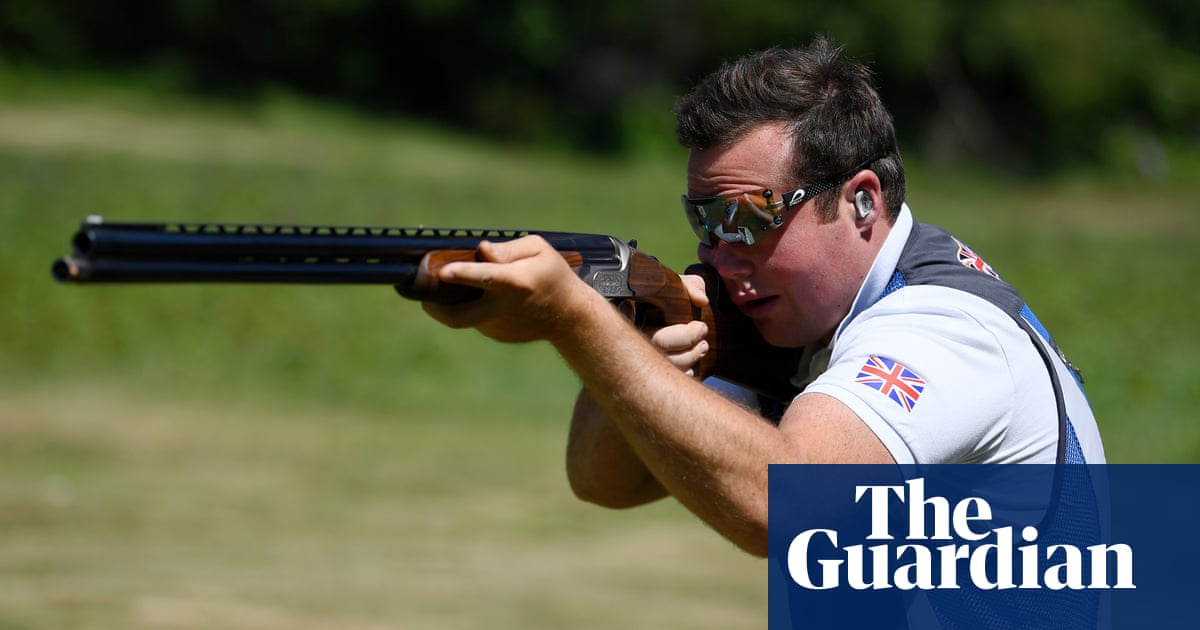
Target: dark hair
(836,117)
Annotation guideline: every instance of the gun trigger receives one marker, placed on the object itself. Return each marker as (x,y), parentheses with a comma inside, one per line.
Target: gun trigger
(629,309)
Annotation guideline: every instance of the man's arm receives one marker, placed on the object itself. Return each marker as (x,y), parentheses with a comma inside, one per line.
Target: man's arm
(601,466)
(709,453)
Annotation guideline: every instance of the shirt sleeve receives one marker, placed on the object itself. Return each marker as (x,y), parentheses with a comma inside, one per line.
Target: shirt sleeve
(926,372)
(734,393)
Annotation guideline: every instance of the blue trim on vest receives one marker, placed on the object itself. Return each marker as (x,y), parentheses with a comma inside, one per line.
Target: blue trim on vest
(896,283)
(1074,454)
(1027,314)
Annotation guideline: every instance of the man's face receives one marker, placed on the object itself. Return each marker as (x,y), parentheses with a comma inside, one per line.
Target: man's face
(796,282)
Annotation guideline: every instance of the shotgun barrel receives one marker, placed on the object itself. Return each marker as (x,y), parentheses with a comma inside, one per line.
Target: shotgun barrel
(407,258)
(128,252)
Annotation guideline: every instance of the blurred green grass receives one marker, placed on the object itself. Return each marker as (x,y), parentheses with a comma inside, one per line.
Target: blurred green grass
(341,345)
(260,457)
(129,511)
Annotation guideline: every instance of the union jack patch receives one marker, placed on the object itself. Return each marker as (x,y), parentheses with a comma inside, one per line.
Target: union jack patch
(893,380)
(972,260)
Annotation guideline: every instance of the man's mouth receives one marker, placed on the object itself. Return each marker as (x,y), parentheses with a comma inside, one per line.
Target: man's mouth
(758,307)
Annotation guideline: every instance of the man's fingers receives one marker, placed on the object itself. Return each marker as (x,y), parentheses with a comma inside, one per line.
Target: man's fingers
(695,287)
(464,315)
(680,337)
(687,360)
(494,259)
(481,275)
(513,250)
(682,344)
(529,292)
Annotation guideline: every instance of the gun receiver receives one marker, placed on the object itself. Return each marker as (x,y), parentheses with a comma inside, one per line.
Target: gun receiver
(407,258)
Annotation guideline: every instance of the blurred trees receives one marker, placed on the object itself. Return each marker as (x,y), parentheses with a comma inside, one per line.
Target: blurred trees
(1021,83)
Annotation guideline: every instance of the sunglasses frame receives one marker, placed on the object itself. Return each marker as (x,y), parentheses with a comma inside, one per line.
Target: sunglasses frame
(731,209)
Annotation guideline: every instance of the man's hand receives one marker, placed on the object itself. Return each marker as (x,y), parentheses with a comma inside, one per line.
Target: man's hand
(529,292)
(684,344)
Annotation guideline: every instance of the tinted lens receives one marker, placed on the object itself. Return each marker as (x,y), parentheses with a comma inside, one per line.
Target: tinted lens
(732,219)
(697,216)
(756,214)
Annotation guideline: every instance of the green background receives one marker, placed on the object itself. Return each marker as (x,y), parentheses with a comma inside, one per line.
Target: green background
(292,457)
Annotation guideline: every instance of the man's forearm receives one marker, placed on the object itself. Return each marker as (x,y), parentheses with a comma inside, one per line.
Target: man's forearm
(706,451)
(601,466)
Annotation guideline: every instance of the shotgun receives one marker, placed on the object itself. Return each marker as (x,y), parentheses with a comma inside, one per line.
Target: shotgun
(408,259)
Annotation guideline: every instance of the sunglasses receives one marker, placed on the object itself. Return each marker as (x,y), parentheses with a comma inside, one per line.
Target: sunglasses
(737,218)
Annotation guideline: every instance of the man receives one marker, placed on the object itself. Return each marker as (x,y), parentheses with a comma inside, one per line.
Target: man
(796,190)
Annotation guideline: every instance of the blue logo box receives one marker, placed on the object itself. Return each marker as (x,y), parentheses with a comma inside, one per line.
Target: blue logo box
(987,546)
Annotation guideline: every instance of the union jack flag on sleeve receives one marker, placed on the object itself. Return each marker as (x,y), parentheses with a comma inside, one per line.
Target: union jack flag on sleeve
(893,380)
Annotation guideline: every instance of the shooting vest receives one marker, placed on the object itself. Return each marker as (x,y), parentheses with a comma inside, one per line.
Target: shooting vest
(931,256)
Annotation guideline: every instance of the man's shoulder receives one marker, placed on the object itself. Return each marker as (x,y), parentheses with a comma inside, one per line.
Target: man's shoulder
(932,307)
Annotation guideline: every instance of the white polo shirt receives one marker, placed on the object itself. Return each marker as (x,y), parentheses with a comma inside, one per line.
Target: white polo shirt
(943,376)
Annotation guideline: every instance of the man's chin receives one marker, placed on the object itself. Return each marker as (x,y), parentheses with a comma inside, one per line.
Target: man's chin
(782,336)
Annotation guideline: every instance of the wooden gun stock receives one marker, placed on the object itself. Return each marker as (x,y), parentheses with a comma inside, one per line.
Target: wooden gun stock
(737,352)
(742,356)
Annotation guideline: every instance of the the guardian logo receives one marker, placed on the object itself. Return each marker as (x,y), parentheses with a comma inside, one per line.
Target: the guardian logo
(949,546)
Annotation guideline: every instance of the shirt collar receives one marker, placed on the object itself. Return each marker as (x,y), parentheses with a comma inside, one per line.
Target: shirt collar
(882,269)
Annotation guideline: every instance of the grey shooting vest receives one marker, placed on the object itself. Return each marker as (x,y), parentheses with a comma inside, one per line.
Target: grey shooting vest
(934,257)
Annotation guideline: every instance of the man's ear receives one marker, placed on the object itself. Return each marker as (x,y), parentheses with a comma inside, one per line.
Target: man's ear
(866,196)
(863,204)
